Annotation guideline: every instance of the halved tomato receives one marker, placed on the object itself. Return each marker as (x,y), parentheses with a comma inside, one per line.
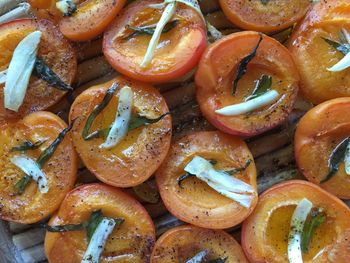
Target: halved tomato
(90,19)
(314,54)
(182,243)
(217,71)
(134,159)
(195,202)
(61,169)
(264,16)
(54,50)
(178,51)
(318,134)
(265,232)
(131,242)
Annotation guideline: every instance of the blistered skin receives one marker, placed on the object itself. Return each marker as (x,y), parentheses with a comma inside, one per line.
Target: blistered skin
(60,170)
(196,202)
(265,232)
(140,153)
(54,49)
(131,242)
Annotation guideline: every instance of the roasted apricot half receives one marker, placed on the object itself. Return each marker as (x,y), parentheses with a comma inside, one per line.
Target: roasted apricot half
(317,45)
(246,83)
(137,156)
(209,180)
(131,240)
(322,146)
(264,16)
(180,47)
(90,19)
(184,243)
(297,218)
(32,138)
(54,50)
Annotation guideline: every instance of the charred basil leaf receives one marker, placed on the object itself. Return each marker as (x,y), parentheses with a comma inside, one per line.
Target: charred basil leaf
(97,110)
(264,2)
(149,30)
(336,158)
(316,218)
(44,72)
(42,159)
(262,86)
(26,146)
(242,66)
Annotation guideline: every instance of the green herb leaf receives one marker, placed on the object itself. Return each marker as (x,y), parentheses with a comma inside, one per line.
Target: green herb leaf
(183,178)
(242,67)
(343,48)
(262,86)
(65,228)
(42,159)
(264,2)
(313,222)
(147,193)
(22,184)
(336,158)
(90,225)
(218,260)
(27,145)
(97,110)
(149,30)
(44,72)
(118,221)
(95,220)
(240,169)
(342,37)
(137,121)
(49,151)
